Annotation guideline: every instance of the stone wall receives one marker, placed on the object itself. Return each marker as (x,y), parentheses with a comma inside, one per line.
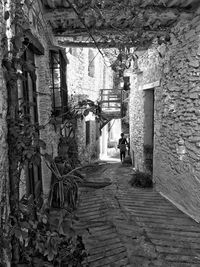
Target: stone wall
(50,135)
(79,80)
(87,152)
(176,161)
(136,115)
(147,75)
(4,172)
(177,120)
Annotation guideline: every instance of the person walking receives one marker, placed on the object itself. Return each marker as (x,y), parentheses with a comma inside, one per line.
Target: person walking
(122,147)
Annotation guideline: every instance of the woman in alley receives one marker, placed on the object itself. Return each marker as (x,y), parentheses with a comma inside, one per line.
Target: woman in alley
(122,147)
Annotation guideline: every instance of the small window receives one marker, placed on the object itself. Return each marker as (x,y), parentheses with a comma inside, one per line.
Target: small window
(27,95)
(58,83)
(91,66)
(126,83)
(70,50)
(87,125)
(73,51)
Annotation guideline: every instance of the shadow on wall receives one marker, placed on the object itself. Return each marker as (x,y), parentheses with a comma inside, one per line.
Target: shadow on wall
(132,155)
(148,158)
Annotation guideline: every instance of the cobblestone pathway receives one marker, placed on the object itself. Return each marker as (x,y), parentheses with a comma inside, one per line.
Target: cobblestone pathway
(124,226)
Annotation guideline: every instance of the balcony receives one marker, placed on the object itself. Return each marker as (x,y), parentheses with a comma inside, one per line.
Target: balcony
(111,103)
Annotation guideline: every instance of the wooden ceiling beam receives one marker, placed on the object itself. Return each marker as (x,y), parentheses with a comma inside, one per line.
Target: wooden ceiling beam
(138,44)
(92,44)
(109,32)
(108,39)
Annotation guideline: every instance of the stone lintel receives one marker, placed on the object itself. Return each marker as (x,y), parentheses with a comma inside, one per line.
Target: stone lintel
(150,85)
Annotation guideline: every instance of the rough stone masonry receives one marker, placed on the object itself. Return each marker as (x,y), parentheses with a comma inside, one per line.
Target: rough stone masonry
(176,115)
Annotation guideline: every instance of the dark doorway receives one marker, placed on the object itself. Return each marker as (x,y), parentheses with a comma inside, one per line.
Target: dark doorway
(148,129)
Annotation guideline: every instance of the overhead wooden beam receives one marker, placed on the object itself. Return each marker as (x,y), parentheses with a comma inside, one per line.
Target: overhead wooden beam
(99,44)
(108,31)
(89,44)
(109,38)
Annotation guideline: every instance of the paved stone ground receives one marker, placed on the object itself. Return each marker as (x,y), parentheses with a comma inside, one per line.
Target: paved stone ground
(126,226)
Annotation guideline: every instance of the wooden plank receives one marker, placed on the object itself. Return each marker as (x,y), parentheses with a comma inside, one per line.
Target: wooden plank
(110,101)
(175,244)
(94,45)
(110,259)
(177,227)
(174,232)
(178,250)
(150,85)
(155,211)
(162,236)
(137,212)
(147,219)
(105,253)
(154,216)
(182,258)
(98,250)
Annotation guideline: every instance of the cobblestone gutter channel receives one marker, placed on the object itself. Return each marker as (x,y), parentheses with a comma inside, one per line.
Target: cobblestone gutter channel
(124,226)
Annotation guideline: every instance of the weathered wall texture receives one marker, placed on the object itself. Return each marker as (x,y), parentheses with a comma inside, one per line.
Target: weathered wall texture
(49,134)
(136,116)
(149,72)
(87,152)
(79,80)
(81,85)
(4,177)
(177,120)
(176,162)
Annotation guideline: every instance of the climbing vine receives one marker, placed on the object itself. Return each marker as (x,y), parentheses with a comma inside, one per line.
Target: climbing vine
(29,239)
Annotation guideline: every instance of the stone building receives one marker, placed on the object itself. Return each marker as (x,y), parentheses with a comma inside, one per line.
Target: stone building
(50,63)
(45,93)
(42,94)
(88,73)
(164,115)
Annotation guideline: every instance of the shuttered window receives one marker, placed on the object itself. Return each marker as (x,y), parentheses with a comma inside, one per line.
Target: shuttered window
(27,95)
(58,83)
(87,125)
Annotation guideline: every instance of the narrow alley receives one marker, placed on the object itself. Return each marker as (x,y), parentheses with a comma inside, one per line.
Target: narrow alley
(127,226)
(85,84)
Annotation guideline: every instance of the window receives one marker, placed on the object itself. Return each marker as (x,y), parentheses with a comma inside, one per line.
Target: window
(91,66)
(87,125)
(126,83)
(73,51)
(27,95)
(58,83)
